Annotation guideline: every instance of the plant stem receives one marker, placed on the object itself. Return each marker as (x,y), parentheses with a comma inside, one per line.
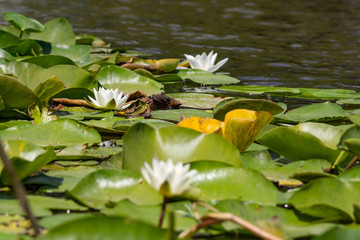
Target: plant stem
(162,214)
(353,161)
(18,188)
(339,158)
(212,218)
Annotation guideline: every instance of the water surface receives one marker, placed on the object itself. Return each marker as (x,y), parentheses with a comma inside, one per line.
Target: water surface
(297,43)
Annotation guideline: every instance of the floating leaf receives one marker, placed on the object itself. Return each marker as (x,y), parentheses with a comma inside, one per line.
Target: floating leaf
(196,100)
(26,157)
(97,227)
(325,198)
(110,186)
(45,90)
(178,143)
(112,76)
(31,74)
(328,134)
(297,145)
(205,77)
(175,114)
(64,132)
(23,23)
(235,183)
(57,30)
(326,111)
(15,94)
(228,105)
(256,90)
(47,61)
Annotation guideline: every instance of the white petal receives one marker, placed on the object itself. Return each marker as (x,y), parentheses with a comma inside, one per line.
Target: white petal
(203,61)
(218,65)
(192,61)
(94,101)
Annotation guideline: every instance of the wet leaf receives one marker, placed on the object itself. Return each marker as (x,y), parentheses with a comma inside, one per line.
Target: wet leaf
(228,105)
(205,77)
(235,183)
(23,23)
(45,90)
(64,132)
(178,143)
(325,198)
(97,227)
(57,30)
(26,157)
(297,145)
(127,81)
(15,94)
(175,114)
(108,186)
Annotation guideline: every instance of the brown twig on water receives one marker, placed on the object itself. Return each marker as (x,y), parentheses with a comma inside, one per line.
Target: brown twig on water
(353,161)
(19,189)
(217,217)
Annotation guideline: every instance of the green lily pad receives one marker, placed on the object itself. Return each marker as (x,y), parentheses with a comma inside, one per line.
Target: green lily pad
(280,221)
(45,90)
(196,100)
(124,125)
(228,105)
(25,48)
(6,55)
(64,132)
(350,140)
(108,186)
(31,74)
(26,157)
(47,61)
(100,227)
(175,114)
(59,219)
(150,214)
(205,77)
(57,30)
(349,101)
(257,90)
(341,232)
(235,183)
(77,53)
(318,93)
(15,94)
(297,145)
(8,39)
(324,198)
(319,112)
(178,143)
(328,134)
(23,23)
(112,76)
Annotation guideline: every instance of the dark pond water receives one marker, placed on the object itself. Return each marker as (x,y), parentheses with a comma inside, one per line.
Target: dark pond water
(297,43)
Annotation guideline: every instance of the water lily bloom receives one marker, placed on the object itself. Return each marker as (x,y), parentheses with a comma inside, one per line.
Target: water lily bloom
(205,62)
(109,99)
(168,178)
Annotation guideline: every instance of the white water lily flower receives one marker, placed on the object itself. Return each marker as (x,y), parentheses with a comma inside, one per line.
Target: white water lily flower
(168,178)
(109,99)
(205,62)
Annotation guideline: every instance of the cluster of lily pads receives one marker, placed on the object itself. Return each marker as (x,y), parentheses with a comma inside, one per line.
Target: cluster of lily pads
(99,157)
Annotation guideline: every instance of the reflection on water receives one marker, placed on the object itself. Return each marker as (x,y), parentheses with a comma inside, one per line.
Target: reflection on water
(297,43)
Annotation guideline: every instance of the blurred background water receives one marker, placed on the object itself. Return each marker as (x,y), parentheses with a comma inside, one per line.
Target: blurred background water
(297,43)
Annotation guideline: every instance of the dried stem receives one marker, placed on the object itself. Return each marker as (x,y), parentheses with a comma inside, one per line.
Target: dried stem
(19,189)
(217,217)
(353,161)
(162,214)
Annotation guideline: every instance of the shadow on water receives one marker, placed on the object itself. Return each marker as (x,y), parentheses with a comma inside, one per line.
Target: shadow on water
(299,43)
